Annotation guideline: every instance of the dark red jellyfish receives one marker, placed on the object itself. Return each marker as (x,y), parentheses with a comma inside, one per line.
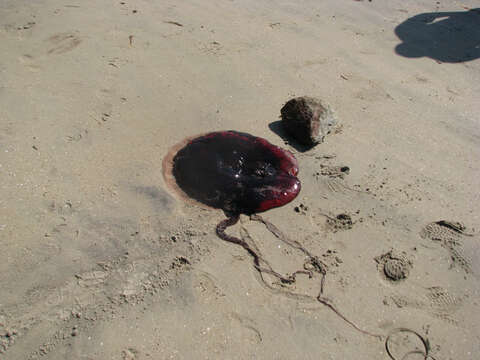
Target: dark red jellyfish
(236,172)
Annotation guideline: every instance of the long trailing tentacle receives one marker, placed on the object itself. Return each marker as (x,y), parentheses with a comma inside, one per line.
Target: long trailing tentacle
(262,265)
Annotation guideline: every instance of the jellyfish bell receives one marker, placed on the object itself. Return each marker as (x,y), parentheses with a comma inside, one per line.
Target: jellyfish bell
(233,171)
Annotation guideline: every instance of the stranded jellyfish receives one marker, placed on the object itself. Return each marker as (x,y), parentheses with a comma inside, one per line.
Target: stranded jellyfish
(243,174)
(236,172)
(233,171)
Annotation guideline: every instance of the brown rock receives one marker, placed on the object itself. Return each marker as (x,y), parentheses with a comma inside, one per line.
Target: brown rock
(307,120)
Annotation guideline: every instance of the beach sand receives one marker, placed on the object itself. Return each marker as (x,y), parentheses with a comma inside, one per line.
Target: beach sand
(101,260)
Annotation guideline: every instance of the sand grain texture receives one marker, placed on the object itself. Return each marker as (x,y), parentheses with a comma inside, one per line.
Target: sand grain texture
(101,260)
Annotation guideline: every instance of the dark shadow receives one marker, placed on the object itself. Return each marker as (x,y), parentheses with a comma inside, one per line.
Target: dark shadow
(450,37)
(277,128)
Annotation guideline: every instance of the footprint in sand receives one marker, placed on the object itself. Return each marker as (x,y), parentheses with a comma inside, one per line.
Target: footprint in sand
(436,300)
(394,266)
(63,42)
(250,325)
(205,285)
(463,247)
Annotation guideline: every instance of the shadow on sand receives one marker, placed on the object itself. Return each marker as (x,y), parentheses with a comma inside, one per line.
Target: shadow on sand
(277,128)
(450,37)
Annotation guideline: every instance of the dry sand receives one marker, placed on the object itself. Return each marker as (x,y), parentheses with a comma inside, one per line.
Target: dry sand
(100,260)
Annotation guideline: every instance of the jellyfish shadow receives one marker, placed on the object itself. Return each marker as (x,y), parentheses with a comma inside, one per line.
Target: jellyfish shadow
(450,37)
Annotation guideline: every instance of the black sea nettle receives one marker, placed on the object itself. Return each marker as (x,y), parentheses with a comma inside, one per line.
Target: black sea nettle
(236,172)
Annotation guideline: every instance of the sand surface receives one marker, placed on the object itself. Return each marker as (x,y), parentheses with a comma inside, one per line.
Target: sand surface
(99,259)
